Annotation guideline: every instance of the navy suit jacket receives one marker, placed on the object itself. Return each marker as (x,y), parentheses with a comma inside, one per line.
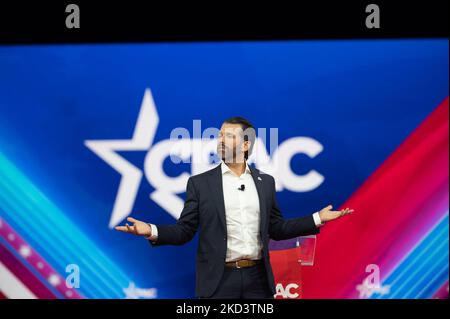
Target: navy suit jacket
(204,210)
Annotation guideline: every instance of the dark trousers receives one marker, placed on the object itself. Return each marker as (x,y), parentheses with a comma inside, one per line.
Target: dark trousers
(244,283)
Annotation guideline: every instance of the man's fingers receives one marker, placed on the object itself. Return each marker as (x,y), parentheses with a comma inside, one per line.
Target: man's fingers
(121,228)
(341,212)
(329,207)
(130,228)
(349,211)
(131,219)
(126,229)
(346,211)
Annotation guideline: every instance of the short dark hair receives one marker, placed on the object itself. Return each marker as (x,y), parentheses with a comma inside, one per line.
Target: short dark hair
(249,135)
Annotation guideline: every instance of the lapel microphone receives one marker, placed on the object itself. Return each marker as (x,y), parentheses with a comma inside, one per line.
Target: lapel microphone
(242,188)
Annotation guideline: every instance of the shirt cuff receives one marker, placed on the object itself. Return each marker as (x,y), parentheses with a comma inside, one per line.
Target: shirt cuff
(154,235)
(317,219)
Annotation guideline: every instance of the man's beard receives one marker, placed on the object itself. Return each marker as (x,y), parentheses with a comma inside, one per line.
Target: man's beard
(228,155)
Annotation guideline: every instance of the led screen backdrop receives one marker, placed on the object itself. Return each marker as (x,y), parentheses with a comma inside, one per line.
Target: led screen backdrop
(85,139)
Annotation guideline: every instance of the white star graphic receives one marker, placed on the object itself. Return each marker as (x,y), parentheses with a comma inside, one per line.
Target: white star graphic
(142,139)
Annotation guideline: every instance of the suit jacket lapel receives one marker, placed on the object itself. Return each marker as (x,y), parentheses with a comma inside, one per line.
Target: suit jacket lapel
(262,202)
(215,183)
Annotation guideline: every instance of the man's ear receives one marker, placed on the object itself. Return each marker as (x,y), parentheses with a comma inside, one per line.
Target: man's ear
(249,145)
(244,146)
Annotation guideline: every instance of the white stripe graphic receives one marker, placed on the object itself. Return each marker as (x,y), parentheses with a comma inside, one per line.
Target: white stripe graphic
(12,287)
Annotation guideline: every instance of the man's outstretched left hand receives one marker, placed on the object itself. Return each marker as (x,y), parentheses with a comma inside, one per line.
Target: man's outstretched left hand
(327,214)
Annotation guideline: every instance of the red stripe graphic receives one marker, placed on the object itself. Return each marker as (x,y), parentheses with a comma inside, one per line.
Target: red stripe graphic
(394,209)
(24,275)
(39,264)
(442,293)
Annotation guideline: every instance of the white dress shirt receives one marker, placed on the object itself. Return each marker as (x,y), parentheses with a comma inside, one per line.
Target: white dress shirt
(242,214)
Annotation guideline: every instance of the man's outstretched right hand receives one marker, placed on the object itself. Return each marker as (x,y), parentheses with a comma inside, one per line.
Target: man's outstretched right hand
(137,228)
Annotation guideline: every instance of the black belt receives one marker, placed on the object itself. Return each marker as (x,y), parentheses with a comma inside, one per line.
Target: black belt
(242,263)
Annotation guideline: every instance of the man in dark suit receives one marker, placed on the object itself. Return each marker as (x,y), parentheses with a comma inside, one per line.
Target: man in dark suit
(235,209)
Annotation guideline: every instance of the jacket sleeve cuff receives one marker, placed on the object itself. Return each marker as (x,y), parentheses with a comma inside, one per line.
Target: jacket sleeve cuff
(154,235)
(316,218)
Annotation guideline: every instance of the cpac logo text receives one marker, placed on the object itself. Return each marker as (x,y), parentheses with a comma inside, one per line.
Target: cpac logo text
(197,150)
(291,291)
